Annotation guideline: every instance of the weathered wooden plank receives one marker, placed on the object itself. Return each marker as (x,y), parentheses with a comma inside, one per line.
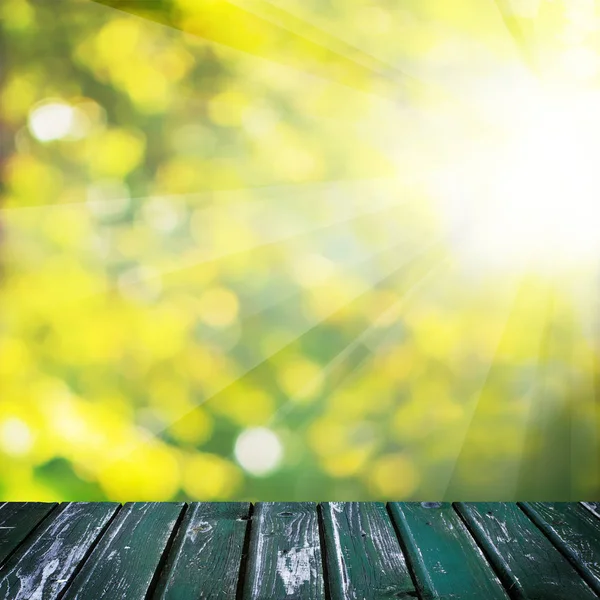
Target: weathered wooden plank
(17,521)
(124,563)
(575,531)
(205,559)
(593,507)
(364,559)
(284,558)
(445,559)
(526,561)
(42,567)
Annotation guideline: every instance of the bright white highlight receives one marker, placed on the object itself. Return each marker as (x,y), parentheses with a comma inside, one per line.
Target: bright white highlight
(56,120)
(51,121)
(546,199)
(15,437)
(258,451)
(532,192)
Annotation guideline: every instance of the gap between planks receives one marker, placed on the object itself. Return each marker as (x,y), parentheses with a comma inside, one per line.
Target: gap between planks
(243,569)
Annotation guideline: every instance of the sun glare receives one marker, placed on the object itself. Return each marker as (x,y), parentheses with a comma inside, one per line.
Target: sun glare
(533,194)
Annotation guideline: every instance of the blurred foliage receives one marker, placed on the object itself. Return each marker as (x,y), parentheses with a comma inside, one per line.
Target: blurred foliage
(225,276)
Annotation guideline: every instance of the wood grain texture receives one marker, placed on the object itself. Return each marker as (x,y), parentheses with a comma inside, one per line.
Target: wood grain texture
(528,564)
(204,562)
(17,521)
(338,551)
(364,559)
(43,566)
(575,531)
(445,559)
(285,558)
(124,563)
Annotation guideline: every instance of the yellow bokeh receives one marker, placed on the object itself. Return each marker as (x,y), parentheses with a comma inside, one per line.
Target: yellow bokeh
(310,251)
(301,380)
(218,307)
(210,477)
(393,476)
(116,152)
(134,477)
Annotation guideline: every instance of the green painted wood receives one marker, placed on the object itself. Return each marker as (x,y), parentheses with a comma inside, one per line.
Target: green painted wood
(206,556)
(45,563)
(17,521)
(593,507)
(575,531)
(541,551)
(284,558)
(444,557)
(528,564)
(124,563)
(363,555)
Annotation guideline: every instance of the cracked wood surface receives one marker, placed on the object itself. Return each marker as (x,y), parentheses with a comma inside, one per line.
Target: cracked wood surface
(300,551)
(527,562)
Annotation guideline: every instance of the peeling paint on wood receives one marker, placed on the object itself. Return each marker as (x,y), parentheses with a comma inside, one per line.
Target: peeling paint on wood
(528,564)
(299,551)
(444,557)
(42,567)
(18,520)
(124,563)
(364,559)
(205,559)
(593,507)
(285,553)
(575,531)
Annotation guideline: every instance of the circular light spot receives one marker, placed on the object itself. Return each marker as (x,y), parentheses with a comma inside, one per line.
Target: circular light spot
(394,475)
(163,214)
(311,269)
(140,284)
(51,121)
(15,437)
(108,198)
(301,380)
(218,307)
(258,451)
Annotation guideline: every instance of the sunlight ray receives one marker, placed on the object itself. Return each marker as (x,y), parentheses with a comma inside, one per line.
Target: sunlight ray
(360,263)
(494,438)
(211,197)
(274,225)
(519,17)
(564,401)
(382,320)
(547,420)
(363,264)
(583,397)
(418,69)
(284,18)
(382,336)
(417,262)
(206,22)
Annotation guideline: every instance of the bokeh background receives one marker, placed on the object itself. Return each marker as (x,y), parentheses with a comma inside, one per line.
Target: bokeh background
(300,250)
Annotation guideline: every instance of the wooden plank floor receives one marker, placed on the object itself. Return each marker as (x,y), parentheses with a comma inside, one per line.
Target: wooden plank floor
(300,551)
